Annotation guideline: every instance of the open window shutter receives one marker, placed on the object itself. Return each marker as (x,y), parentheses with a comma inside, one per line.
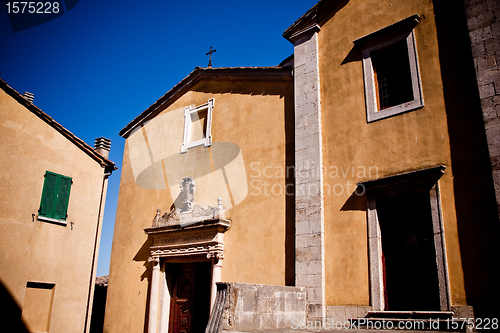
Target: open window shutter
(48,194)
(62,199)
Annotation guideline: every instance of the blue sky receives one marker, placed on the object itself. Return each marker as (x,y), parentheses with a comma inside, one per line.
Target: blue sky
(101,64)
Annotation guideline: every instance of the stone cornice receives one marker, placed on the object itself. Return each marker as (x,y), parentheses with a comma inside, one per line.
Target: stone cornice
(422,179)
(204,238)
(307,31)
(313,17)
(221,224)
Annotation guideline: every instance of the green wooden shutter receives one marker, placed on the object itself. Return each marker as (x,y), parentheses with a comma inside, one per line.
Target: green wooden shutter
(55,196)
(62,199)
(48,194)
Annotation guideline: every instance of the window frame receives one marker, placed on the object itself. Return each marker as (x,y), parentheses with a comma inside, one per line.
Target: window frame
(207,141)
(403,30)
(53,216)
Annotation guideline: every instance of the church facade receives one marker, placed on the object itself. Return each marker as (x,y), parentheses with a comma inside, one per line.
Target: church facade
(241,122)
(353,180)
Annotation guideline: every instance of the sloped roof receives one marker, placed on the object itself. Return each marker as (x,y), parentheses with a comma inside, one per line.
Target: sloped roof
(102,281)
(220,73)
(104,162)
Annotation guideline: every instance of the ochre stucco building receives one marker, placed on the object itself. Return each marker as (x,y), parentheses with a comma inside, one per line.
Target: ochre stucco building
(356,179)
(52,194)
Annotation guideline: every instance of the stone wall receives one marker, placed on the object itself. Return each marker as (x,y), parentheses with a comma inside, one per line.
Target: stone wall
(309,201)
(253,307)
(483,21)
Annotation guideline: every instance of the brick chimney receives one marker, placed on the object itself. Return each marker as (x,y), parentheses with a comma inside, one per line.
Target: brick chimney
(102,146)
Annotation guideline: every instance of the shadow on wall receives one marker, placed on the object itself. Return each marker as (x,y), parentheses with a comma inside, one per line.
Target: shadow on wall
(10,314)
(290,199)
(477,214)
(142,256)
(356,201)
(353,56)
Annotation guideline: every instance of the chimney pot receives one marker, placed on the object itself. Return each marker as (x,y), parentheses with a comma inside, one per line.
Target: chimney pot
(29,96)
(102,146)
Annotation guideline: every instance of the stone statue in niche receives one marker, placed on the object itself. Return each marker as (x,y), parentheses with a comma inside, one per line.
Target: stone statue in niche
(188,189)
(189,213)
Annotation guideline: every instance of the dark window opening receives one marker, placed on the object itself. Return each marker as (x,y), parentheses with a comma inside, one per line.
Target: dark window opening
(391,67)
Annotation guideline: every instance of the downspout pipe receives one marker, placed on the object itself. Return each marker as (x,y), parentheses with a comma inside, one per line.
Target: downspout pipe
(94,254)
(102,149)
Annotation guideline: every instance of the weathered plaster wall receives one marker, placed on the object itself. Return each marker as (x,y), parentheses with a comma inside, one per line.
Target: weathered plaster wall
(355,151)
(37,251)
(253,117)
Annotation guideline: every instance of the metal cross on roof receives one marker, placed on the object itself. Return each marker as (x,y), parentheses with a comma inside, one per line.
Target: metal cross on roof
(210,53)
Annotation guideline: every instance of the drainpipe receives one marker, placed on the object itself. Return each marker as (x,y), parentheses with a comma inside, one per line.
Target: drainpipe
(102,146)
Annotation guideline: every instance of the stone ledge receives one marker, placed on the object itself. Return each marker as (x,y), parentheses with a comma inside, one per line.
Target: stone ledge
(253,307)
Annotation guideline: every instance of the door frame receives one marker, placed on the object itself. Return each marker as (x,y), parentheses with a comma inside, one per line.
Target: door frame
(415,181)
(201,242)
(166,286)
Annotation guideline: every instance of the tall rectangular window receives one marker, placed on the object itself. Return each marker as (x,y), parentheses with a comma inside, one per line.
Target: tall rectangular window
(55,197)
(391,72)
(391,68)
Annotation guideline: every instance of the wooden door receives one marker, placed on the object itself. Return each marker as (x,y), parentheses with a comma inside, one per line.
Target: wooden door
(190,302)
(182,299)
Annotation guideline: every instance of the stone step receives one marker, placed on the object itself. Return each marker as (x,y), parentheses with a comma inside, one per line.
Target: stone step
(410,314)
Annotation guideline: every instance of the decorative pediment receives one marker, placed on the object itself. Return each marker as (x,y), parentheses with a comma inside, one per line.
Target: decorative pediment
(205,238)
(189,230)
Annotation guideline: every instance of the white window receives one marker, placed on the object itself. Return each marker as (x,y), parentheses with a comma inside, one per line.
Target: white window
(197,126)
(390,68)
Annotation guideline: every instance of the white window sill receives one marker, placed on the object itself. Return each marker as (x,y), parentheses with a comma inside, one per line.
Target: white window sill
(395,110)
(51,220)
